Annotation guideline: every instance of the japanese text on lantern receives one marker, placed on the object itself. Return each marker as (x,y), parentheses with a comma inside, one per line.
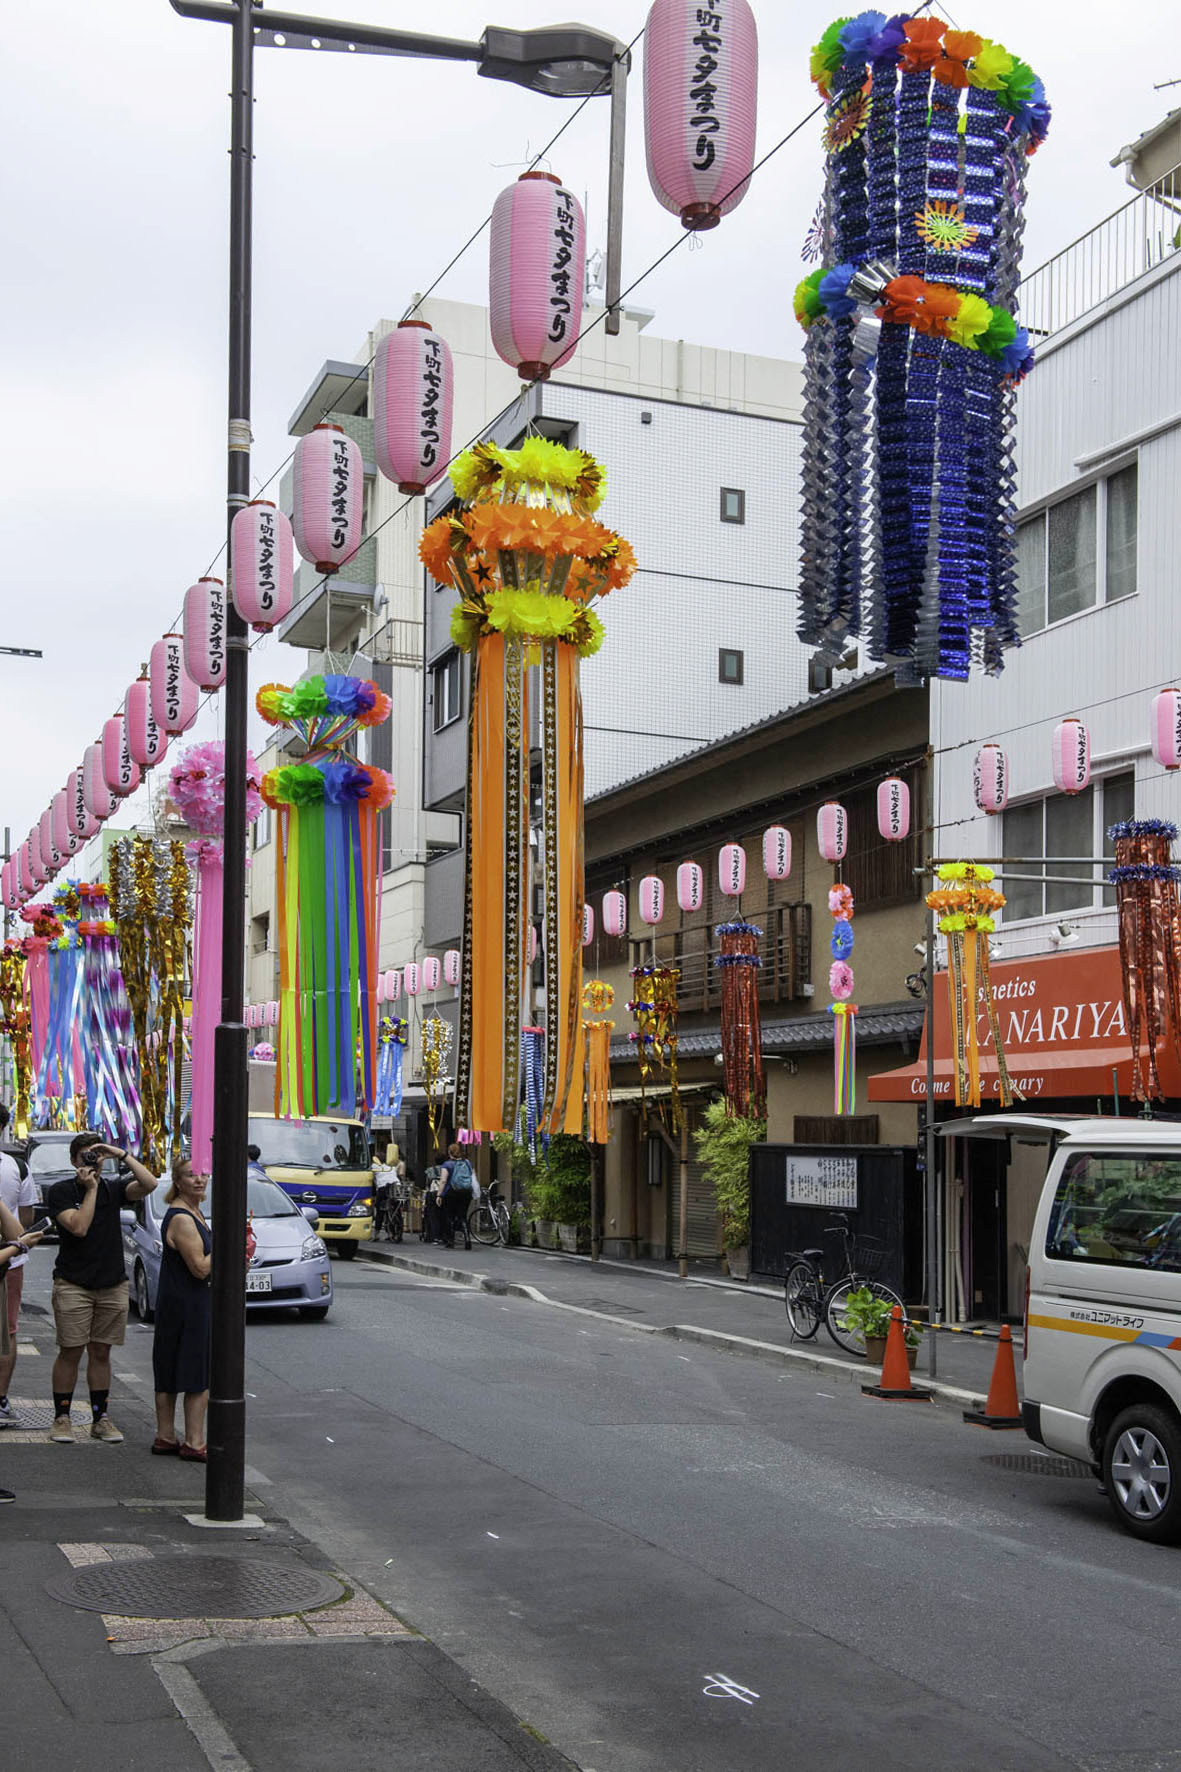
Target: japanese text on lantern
(265,558)
(172,679)
(217,635)
(703,89)
(560,273)
(432,384)
(341,468)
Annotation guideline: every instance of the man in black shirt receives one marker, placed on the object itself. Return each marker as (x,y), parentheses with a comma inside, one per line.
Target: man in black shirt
(89,1278)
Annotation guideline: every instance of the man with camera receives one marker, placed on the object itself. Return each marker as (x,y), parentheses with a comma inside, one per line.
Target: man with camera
(89,1277)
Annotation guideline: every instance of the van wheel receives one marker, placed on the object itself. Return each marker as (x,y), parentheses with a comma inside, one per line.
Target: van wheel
(346,1251)
(1142,1472)
(143,1309)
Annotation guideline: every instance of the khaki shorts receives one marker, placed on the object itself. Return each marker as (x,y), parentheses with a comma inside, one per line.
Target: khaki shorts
(83,1316)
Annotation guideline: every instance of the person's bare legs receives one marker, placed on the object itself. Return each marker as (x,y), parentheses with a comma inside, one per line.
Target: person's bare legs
(65,1370)
(166,1415)
(98,1365)
(196,1404)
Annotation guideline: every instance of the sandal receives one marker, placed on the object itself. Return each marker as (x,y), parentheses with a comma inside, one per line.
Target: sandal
(194,1454)
(163,1448)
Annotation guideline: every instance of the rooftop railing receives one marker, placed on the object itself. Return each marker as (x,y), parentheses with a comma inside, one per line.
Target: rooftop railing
(1142,234)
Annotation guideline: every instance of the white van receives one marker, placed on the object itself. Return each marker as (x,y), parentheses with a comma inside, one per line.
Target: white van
(1103,1307)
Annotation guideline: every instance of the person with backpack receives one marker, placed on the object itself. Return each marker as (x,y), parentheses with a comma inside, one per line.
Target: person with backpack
(456,1196)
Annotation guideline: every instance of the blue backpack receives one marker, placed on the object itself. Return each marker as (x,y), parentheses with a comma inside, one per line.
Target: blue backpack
(461,1176)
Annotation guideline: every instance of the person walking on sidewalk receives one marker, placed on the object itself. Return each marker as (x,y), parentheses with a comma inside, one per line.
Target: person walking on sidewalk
(15,1243)
(18,1193)
(455,1196)
(180,1349)
(89,1278)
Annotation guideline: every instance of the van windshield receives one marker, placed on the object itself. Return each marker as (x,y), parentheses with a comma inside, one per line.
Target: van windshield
(1118,1208)
(310,1144)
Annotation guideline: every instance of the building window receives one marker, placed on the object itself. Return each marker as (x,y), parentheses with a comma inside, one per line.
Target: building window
(733,504)
(260,933)
(1078,553)
(260,830)
(445,690)
(1073,826)
(729,665)
(819,675)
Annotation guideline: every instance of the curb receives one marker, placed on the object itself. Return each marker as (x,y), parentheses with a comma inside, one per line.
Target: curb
(744,1345)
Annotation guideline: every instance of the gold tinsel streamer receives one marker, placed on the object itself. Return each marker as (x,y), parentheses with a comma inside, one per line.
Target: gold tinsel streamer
(436,1049)
(654,1005)
(965,900)
(17,1027)
(597,998)
(151,904)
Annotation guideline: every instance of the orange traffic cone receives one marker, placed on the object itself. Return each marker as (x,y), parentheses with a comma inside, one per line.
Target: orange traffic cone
(895,1382)
(1002,1408)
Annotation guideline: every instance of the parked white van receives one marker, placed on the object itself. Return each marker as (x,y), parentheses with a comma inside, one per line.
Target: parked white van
(1103,1307)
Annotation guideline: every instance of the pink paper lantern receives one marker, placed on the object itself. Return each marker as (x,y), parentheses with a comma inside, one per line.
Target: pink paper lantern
(175,697)
(262,564)
(65,839)
(28,885)
(700,98)
(431,972)
(832,831)
(412,978)
(120,773)
(614,914)
(537,272)
(690,886)
(651,898)
(51,855)
(1166,728)
(588,924)
(272,1014)
(100,801)
(413,390)
(393,986)
(452,965)
(381,987)
(8,885)
(37,865)
(205,633)
(82,821)
(893,809)
(1070,754)
(732,870)
(990,779)
(146,738)
(776,852)
(327,479)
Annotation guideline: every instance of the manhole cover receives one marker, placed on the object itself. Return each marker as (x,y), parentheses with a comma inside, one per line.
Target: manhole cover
(1032,1465)
(196,1587)
(614,1309)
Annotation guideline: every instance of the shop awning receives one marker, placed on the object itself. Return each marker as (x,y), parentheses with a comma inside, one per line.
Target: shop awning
(630,1097)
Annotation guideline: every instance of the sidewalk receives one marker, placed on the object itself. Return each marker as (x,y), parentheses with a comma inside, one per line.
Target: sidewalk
(743,1318)
(242,1649)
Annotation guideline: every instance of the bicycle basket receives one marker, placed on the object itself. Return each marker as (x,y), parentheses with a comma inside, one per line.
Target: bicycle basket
(868,1257)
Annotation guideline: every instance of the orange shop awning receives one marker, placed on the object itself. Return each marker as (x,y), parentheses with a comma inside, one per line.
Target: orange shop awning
(1062,1028)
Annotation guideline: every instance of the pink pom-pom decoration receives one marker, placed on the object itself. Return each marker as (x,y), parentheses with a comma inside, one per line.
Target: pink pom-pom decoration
(990,779)
(588,925)
(690,886)
(197,784)
(1166,728)
(1071,756)
(776,852)
(893,809)
(264,1052)
(832,831)
(452,966)
(205,633)
(614,914)
(537,273)
(100,801)
(651,898)
(412,978)
(119,772)
(701,75)
(175,696)
(413,391)
(432,972)
(840,981)
(732,869)
(262,564)
(327,480)
(147,740)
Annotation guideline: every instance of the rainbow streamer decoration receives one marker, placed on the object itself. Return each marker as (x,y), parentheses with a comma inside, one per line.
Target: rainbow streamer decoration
(327,871)
(108,1047)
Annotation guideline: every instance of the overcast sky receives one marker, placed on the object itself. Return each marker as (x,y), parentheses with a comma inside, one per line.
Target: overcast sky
(370,172)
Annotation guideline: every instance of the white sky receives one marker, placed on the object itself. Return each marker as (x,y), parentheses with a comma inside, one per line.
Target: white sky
(370,172)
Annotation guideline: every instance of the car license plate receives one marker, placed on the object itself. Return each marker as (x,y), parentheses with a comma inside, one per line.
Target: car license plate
(256,1282)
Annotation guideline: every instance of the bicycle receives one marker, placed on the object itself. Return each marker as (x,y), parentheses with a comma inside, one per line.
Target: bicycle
(390,1218)
(810,1300)
(488,1221)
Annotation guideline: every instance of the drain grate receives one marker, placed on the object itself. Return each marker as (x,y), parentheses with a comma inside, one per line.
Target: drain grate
(610,1306)
(1031,1465)
(196,1587)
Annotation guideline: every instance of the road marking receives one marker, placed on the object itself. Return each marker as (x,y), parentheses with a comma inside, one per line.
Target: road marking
(28,1348)
(686,1359)
(196,1710)
(494,1535)
(829,1394)
(722,1686)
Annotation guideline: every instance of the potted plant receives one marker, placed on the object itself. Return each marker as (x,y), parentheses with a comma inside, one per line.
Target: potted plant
(560,1195)
(868,1315)
(723,1142)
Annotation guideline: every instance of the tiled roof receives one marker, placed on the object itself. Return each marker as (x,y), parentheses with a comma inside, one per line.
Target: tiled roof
(801,1033)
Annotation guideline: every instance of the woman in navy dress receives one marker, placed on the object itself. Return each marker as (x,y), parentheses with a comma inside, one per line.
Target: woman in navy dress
(180,1351)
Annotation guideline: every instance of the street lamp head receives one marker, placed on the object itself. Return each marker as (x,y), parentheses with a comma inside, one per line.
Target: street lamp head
(565,61)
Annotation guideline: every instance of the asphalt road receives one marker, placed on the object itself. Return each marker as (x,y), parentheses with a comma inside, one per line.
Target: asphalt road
(693,1562)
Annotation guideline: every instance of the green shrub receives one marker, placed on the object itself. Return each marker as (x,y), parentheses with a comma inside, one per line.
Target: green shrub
(723,1142)
(560,1186)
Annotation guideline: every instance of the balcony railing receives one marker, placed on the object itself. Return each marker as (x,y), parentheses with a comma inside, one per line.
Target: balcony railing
(1141,235)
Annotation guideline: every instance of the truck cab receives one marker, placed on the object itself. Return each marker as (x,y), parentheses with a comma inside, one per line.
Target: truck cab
(325,1163)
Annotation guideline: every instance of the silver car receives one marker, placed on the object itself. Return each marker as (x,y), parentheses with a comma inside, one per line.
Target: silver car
(289,1266)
